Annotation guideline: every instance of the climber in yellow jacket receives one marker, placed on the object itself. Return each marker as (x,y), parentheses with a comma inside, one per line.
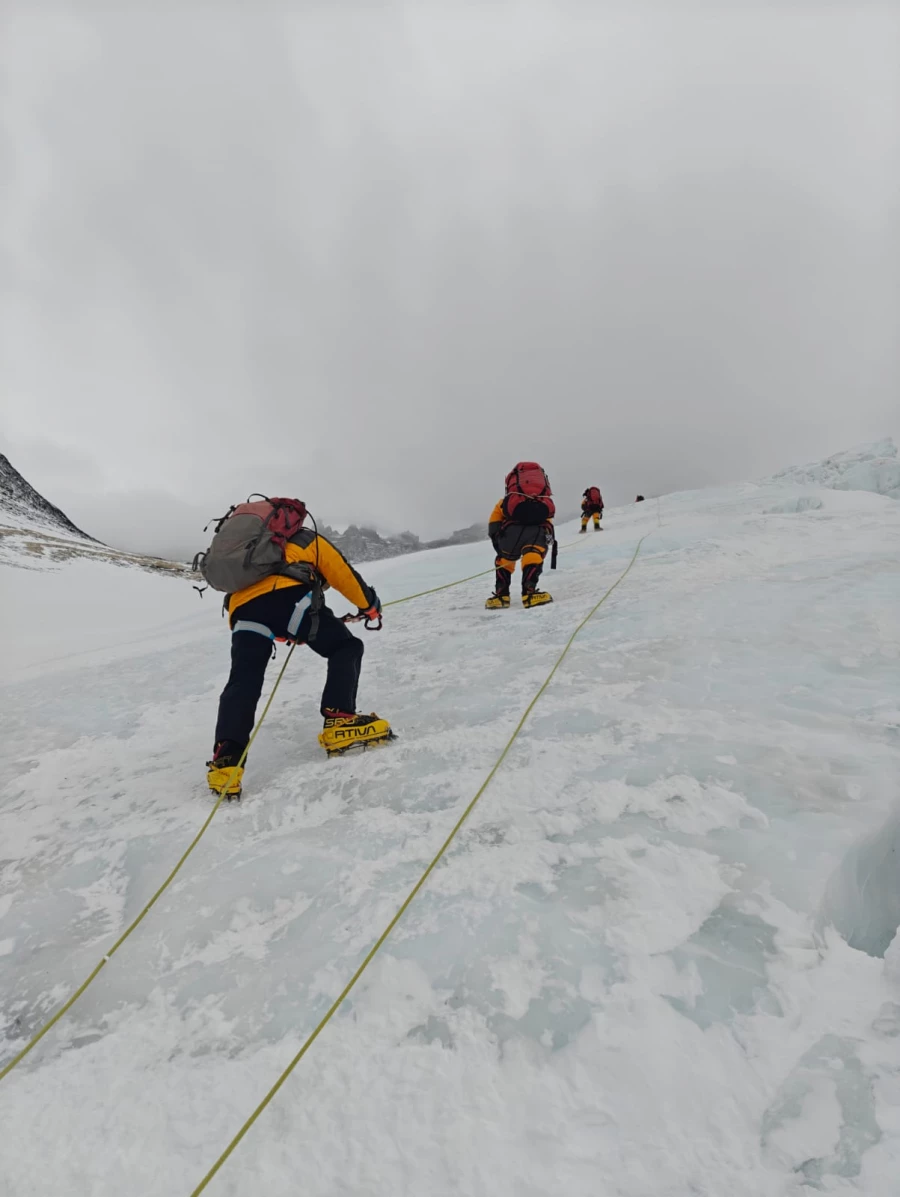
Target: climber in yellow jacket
(521,528)
(592,506)
(281,607)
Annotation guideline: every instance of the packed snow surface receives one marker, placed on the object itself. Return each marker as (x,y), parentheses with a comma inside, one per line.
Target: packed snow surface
(874,467)
(658,960)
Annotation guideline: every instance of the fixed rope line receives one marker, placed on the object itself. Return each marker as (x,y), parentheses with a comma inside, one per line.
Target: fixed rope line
(70,1002)
(32,1043)
(447,585)
(407,902)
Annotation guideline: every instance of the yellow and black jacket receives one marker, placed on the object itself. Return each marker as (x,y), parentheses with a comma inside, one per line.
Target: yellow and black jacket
(328,562)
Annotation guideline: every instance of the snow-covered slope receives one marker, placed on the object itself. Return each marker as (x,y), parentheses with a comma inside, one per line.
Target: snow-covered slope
(36,535)
(624,980)
(22,506)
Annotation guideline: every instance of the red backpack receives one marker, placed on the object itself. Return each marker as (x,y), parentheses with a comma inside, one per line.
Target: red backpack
(593,496)
(529,499)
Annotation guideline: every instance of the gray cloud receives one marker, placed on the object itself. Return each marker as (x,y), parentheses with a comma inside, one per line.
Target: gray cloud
(375,256)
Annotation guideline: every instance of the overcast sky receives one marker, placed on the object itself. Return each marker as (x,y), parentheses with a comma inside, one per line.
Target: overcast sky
(373,255)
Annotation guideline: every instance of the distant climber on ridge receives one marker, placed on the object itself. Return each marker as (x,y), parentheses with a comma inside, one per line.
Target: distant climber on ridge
(273,572)
(521,526)
(592,505)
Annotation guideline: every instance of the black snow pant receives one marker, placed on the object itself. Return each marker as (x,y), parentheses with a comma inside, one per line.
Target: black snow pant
(254,626)
(528,543)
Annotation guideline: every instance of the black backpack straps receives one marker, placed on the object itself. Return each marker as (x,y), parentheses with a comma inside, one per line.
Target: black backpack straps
(303,538)
(219,520)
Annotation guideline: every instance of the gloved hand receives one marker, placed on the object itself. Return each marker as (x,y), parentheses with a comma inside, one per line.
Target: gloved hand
(372,612)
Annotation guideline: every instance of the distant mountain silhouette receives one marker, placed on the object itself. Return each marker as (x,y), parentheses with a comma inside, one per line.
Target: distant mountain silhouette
(19,500)
(365,544)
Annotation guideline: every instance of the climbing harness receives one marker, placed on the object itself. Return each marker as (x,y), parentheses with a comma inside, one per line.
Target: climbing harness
(407,902)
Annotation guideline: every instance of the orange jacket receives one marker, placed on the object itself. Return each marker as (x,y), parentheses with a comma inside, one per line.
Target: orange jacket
(328,562)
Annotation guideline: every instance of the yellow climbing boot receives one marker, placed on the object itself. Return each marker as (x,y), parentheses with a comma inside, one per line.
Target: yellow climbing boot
(226,781)
(344,730)
(225,775)
(497,602)
(536,598)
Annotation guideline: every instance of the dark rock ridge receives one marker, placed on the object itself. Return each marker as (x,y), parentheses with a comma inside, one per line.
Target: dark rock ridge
(470,535)
(365,544)
(20,500)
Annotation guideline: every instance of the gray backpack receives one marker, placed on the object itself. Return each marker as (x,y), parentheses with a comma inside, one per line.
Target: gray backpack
(248,546)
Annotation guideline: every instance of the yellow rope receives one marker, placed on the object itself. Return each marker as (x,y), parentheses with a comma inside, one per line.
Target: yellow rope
(336,1004)
(29,1047)
(435,589)
(447,585)
(149,906)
